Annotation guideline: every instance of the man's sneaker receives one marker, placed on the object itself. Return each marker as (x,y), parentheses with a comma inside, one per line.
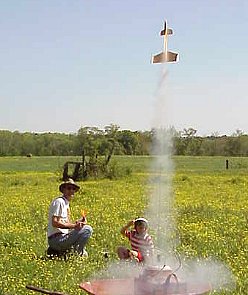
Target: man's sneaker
(85,253)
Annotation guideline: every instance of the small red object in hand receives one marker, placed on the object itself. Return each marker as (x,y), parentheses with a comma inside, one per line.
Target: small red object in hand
(140,257)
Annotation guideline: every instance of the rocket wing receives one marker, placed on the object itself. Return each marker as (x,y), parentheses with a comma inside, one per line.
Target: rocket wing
(169,32)
(159,58)
(163,57)
(172,56)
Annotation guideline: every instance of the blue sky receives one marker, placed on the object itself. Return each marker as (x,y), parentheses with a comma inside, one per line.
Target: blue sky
(72,63)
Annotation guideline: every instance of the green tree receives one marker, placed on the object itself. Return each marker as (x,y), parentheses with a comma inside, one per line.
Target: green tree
(129,141)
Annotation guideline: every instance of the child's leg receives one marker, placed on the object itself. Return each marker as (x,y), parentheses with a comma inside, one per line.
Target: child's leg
(123,253)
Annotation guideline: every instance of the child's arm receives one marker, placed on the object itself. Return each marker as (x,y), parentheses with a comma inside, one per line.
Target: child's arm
(125,227)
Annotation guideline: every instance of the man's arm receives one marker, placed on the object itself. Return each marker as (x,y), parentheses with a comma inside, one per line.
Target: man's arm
(56,222)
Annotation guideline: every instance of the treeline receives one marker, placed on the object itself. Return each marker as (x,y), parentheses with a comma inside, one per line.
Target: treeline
(93,141)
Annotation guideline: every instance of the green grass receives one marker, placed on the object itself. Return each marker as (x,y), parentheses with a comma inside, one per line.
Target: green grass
(137,163)
(210,164)
(37,164)
(211,204)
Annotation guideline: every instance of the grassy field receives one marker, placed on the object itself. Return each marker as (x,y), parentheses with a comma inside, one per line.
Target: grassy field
(211,205)
(137,163)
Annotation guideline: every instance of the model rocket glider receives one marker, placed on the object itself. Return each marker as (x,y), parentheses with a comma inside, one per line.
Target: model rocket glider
(165,55)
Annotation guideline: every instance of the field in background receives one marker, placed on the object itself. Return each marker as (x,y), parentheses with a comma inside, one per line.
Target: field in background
(211,203)
(137,163)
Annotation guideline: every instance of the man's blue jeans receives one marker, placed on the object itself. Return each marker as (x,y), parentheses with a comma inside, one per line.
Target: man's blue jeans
(76,239)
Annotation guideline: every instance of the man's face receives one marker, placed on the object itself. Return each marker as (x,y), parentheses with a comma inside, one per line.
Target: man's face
(69,191)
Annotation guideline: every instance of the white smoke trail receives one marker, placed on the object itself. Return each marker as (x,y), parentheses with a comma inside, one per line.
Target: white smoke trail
(160,211)
(199,271)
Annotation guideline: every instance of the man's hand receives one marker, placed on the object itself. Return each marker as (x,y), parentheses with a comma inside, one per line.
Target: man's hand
(80,224)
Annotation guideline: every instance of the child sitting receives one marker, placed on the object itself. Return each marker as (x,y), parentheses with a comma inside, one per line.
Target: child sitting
(141,241)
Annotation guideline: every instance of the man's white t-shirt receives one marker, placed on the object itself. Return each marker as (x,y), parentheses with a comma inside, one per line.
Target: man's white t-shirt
(59,207)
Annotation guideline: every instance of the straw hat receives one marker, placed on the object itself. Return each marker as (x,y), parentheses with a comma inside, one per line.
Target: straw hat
(68,182)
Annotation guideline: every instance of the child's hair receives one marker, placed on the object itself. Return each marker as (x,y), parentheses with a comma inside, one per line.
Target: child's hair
(139,221)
